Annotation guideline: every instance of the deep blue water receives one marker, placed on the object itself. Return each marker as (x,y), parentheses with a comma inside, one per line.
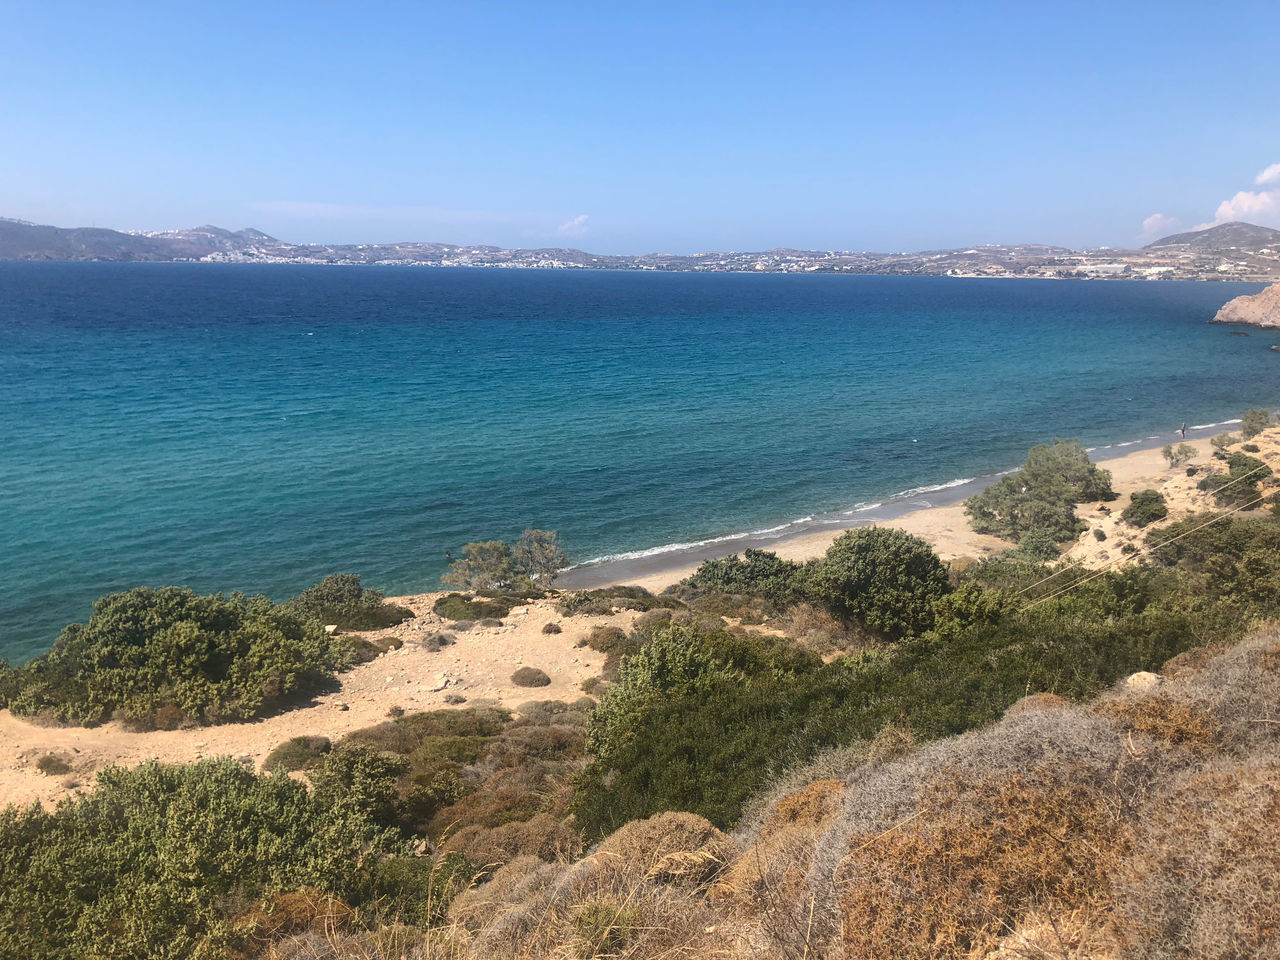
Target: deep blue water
(256,428)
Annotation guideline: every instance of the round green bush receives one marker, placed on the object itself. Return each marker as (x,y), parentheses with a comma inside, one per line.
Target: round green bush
(1145,506)
(883,578)
(530,677)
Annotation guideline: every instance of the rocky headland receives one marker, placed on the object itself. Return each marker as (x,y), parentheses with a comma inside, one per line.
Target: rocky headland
(1257,310)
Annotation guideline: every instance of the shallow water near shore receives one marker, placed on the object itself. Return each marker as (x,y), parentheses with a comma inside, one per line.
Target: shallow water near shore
(258,427)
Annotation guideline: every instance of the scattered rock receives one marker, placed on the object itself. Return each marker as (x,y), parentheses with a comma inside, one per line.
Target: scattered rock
(331,629)
(342,706)
(1258,310)
(1143,682)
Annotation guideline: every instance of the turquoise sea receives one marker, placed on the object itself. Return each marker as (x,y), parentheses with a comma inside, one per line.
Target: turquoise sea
(258,427)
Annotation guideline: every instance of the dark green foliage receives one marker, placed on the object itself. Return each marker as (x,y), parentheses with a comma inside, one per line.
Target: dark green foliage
(605,600)
(455,606)
(882,578)
(1042,495)
(1145,507)
(1099,534)
(157,861)
(340,599)
(297,753)
(1234,559)
(418,890)
(168,656)
(1239,486)
(698,721)
(1251,448)
(756,573)
(1253,422)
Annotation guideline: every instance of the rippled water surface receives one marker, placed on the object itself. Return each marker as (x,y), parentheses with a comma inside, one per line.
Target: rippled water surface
(257,427)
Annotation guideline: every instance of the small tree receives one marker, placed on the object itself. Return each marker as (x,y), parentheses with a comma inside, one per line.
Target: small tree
(537,555)
(1177,456)
(1253,422)
(484,565)
(1221,441)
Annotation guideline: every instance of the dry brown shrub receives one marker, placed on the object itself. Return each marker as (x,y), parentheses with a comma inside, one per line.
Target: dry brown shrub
(530,677)
(639,846)
(973,859)
(822,633)
(384,942)
(1036,702)
(289,913)
(511,883)
(1203,879)
(1165,718)
(1069,935)
(768,880)
(544,836)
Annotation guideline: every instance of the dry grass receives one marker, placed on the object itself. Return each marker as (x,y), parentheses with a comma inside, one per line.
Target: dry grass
(976,858)
(1203,881)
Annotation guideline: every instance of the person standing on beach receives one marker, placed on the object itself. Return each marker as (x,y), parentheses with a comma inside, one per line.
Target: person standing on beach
(1184,431)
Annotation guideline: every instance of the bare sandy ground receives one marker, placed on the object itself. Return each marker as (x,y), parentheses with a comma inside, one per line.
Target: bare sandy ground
(480,664)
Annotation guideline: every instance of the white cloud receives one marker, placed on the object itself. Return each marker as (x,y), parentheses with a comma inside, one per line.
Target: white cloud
(1269,177)
(1261,207)
(575,227)
(1156,226)
(1253,206)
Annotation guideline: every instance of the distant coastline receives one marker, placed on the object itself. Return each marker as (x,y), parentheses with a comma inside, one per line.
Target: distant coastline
(1229,251)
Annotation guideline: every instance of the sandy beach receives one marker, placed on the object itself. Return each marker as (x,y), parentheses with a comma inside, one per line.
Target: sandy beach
(479,665)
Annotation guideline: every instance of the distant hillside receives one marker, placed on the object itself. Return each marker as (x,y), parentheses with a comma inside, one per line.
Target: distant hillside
(1232,251)
(1223,237)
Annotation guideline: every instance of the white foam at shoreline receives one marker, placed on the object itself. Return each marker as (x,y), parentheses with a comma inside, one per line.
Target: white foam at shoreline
(902,497)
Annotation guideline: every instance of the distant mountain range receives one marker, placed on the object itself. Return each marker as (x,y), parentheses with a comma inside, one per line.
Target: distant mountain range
(1234,251)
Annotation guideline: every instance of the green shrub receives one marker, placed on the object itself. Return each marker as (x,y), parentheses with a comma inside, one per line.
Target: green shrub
(756,573)
(156,861)
(171,656)
(1145,507)
(605,600)
(340,599)
(1221,441)
(1099,534)
(1251,448)
(1041,497)
(1239,486)
(1253,422)
(552,628)
(455,606)
(296,753)
(882,578)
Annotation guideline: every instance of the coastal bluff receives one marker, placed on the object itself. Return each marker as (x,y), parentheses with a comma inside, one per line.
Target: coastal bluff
(1258,309)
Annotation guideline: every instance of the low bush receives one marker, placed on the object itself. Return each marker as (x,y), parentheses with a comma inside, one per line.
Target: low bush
(341,600)
(297,753)
(1145,507)
(756,573)
(168,656)
(159,860)
(1251,448)
(606,600)
(552,628)
(1099,534)
(530,677)
(455,606)
(52,766)
(1239,486)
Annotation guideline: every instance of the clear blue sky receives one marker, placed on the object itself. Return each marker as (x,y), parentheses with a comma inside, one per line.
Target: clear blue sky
(650,126)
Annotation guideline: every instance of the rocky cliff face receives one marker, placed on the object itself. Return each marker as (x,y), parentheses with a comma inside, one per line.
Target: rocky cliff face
(1259,310)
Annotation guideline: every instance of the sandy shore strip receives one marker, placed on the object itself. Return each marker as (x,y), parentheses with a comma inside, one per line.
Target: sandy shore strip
(937,516)
(479,665)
